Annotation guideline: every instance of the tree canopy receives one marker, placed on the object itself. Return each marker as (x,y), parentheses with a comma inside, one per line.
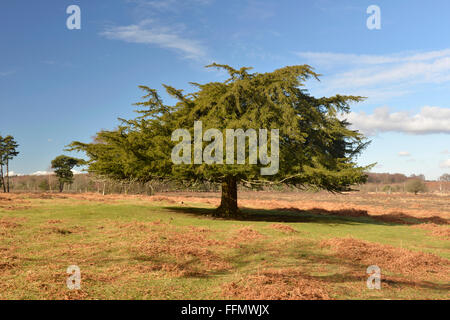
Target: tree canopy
(316,146)
(63,166)
(416,185)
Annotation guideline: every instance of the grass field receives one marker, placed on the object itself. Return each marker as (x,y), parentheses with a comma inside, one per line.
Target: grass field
(291,246)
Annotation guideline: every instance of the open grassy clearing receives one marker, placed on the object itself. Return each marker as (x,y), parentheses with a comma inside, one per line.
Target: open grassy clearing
(162,248)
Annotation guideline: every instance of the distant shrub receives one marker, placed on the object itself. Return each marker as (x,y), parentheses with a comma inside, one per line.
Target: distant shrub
(415,186)
(44,186)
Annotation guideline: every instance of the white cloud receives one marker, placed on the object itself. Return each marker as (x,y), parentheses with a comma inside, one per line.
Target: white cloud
(429,120)
(13,174)
(368,74)
(404,154)
(436,71)
(330,58)
(42,173)
(149,32)
(445,164)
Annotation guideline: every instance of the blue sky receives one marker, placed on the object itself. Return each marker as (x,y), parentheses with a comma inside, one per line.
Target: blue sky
(58,85)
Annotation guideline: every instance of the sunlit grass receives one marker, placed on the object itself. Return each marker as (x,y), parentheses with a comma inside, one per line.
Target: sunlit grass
(119,246)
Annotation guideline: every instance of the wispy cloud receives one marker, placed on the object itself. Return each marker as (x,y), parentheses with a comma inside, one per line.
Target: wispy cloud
(167,5)
(435,71)
(330,58)
(428,121)
(151,33)
(397,73)
(404,154)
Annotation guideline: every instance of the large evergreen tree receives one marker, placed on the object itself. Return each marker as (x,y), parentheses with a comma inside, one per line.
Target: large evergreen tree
(316,147)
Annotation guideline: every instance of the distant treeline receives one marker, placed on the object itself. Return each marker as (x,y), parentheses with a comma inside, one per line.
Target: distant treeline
(377,182)
(91,183)
(387,178)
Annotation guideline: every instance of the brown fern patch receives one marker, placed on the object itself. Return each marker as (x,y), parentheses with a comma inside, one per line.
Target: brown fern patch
(398,260)
(183,253)
(282,227)
(276,284)
(246,234)
(442,232)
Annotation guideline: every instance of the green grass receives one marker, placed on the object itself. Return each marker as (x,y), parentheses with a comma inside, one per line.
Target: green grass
(110,242)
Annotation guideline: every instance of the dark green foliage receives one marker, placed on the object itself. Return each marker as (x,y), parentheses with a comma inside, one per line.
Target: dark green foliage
(317,149)
(63,166)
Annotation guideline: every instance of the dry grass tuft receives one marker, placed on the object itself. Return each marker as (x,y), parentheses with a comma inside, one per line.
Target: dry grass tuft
(185,253)
(8,259)
(163,199)
(438,231)
(283,228)
(280,284)
(398,260)
(246,234)
(199,229)
(54,221)
(137,226)
(50,229)
(11,222)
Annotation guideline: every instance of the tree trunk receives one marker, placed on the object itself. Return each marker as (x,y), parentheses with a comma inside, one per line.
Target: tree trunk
(7,175)
(3,178)
(61,186)
(228,205)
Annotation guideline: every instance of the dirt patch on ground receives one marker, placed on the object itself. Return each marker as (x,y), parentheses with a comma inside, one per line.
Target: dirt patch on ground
(280,284)
(397,260)
(438,231)
(282,227)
